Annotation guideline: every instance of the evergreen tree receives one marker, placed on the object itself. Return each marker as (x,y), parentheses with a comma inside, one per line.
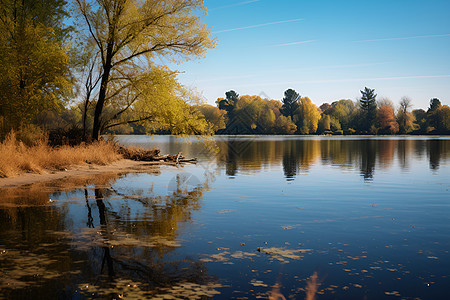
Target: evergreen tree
(433,113)
(230,101)
(290,103)
(435,103)
(368,107)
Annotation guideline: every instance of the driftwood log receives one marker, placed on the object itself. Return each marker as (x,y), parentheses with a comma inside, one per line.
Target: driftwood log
(140,154)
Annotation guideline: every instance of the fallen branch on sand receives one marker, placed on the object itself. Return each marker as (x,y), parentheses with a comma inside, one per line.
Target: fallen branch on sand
(140,154)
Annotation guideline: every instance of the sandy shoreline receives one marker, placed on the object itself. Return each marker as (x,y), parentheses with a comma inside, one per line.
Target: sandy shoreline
(118,167)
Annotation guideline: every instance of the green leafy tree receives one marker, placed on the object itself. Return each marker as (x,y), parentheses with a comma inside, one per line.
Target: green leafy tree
(129,36)
(324,124)
(344,111)
(284,125)
(420,117)
(34,59)
(290,103)
(215,116)
(368,108)
(335,125)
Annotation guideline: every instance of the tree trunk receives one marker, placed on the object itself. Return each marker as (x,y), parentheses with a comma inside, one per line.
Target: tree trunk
(85,118)
(100,102)
(102,94)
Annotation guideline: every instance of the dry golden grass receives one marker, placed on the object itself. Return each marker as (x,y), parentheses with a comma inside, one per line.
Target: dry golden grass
(17,158)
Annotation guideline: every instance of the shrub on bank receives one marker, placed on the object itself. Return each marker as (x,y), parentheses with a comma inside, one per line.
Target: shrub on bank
(17,158)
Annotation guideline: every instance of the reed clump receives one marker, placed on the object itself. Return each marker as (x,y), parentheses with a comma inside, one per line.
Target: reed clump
(17,158)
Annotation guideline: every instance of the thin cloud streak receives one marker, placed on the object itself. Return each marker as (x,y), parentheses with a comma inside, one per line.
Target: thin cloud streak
(286,83)
(232,5)
(258,25)
(294,43)
(404,38)
(374,79)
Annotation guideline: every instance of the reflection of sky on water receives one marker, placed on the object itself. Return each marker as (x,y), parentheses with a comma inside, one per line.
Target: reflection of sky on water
(372,236)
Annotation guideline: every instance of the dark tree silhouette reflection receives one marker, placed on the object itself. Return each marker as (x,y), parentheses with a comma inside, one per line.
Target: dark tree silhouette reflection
(435,150)
(118,250)
(367,158)
(290,161)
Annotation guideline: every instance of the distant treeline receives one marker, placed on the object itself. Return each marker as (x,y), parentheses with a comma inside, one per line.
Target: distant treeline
(237,115)
(294,114)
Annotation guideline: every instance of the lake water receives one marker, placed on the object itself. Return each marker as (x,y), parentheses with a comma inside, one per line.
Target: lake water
(256,217)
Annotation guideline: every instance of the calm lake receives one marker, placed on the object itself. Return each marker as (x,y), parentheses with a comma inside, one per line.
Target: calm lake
(256,217)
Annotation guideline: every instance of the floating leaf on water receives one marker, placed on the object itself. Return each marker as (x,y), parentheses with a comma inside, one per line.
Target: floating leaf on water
(393,293)
(281,254)
(241,254)
(255,282)
(225,211)
(288,227)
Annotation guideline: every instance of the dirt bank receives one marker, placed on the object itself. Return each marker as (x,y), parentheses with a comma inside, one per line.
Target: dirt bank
(118,167)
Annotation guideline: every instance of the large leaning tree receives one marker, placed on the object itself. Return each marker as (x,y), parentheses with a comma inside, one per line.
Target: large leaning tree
(131,36)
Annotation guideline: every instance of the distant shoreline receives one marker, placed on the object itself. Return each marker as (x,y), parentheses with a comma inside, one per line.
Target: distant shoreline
(283,135)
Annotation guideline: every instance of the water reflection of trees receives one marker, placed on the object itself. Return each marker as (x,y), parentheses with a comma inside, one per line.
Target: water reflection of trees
(124,237)
(299,155)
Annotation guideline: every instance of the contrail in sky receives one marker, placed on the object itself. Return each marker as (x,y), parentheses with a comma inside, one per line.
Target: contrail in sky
(375,78)
(258,25)
(403,38)
(235,4)
(294,43)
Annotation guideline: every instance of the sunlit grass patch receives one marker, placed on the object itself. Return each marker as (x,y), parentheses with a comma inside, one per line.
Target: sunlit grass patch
(17,158)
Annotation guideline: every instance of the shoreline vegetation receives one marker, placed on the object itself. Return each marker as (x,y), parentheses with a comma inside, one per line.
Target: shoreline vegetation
(24,164)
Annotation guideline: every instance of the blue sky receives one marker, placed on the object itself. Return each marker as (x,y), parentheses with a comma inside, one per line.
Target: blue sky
(326,50)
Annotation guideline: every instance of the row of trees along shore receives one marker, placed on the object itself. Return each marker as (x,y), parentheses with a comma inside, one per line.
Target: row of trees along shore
(294,114)
(76,69)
